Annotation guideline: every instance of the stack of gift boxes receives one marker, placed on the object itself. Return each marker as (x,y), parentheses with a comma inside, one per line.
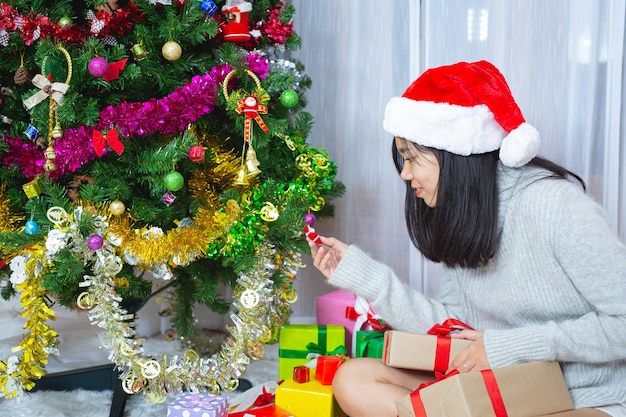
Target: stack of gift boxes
(309,356)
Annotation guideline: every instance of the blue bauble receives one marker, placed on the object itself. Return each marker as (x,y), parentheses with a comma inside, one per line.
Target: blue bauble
(31,227)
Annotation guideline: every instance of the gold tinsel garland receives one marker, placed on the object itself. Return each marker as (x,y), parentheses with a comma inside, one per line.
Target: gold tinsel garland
(8,219)
(19,371)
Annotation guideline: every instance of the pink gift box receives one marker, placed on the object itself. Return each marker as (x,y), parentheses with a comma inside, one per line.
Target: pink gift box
(190,404)
(332,308)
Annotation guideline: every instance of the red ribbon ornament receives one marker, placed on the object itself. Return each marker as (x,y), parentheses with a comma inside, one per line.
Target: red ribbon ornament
(111,137)
(250,108)
(442,331)
(113,72)
(491,384)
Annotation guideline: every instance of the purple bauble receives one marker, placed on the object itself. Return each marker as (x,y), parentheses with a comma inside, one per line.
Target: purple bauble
(309,219)
(94,242)
(98,66)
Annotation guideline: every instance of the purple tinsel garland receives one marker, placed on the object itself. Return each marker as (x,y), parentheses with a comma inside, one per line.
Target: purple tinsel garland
(168,115)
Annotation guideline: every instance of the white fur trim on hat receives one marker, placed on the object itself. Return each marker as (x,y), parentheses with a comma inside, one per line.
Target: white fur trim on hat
(457,129)
(520,146)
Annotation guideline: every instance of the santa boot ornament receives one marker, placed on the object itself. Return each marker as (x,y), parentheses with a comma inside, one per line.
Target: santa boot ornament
(236,27)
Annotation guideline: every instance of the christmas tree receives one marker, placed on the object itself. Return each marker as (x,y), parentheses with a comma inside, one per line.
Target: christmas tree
(161,139)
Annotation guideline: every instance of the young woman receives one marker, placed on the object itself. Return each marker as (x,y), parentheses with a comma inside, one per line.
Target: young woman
(530,260)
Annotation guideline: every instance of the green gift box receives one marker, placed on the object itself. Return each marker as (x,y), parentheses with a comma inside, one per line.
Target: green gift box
(298,344)
(369,343)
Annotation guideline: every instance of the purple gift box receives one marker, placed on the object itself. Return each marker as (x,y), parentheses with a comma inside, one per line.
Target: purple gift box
(198,405)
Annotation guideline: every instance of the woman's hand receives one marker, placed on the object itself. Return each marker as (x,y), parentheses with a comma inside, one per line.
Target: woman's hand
(473,357)
(327,255)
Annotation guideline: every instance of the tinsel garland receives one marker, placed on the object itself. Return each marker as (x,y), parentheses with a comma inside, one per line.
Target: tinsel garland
(167,115)
(18,372)
(259,309)
(33,26)
(8,219)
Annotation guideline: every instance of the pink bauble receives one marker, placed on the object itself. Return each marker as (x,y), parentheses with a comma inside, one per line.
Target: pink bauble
(98,66)
(94,242)
(309,219)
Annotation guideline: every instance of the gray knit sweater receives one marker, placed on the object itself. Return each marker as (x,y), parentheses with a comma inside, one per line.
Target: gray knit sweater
(556,289)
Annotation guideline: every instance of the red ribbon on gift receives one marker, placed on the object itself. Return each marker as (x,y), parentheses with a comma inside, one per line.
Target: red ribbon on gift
(111,137)
(491,384)
(376,324)
(251,108)
(442,331)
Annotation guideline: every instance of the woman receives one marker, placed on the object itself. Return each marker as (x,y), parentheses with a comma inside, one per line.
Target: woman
(530,260)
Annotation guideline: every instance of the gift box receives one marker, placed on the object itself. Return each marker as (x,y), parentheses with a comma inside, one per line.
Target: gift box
(270,410)
(530,389)
(190,404)
(311,399)
(326,368)
(422,352)
(298,344)
(343,307)
(369,343)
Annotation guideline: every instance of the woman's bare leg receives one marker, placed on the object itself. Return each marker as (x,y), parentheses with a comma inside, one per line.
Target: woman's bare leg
(366,387)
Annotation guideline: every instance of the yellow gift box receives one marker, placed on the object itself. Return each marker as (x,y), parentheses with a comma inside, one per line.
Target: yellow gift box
(297,341)
(307,399)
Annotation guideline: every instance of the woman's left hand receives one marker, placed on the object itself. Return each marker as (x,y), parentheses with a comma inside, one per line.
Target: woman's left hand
(473,357)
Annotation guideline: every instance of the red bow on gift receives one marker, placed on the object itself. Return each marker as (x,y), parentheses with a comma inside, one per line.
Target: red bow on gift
(111,137)
(375,323)
(251,108)
(491,384)
(442,331)
(264,399)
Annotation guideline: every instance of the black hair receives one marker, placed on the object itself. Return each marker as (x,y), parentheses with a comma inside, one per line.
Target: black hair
(462,229)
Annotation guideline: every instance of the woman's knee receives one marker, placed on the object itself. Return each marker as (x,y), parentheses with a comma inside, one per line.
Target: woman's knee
(355,372)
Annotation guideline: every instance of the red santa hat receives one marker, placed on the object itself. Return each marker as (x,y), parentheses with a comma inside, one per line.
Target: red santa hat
(464,108)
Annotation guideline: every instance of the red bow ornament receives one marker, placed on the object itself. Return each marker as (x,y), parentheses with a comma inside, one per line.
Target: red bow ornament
(361,313)
(111,137)
(251,108)
(442,331)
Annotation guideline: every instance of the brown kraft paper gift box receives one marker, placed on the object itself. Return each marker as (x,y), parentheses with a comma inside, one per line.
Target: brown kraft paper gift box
(416,351)
(527,390)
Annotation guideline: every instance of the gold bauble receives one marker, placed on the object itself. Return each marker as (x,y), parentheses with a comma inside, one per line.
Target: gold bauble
(57,132)
(171,51)
(117,208)
(49,166)
(50,154)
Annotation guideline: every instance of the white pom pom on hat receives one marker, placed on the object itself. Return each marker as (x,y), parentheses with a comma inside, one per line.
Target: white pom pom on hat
(464,108)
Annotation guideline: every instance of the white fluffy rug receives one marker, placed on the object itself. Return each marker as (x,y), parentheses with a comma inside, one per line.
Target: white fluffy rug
(81,403)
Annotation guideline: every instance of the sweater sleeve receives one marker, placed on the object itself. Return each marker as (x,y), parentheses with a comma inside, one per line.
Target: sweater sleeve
(404,308)
(593,259)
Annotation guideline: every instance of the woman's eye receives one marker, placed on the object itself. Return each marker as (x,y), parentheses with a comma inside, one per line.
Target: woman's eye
(409,160)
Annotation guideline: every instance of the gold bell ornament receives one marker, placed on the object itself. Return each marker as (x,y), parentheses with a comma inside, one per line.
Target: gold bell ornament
(242,176)
(252,163)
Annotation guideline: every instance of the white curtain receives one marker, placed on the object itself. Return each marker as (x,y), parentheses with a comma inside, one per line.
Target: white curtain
(564,61)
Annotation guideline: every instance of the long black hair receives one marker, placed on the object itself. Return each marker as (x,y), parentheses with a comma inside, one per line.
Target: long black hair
(462,229)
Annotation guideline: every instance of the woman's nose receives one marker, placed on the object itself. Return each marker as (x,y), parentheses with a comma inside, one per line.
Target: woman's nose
(405,174)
